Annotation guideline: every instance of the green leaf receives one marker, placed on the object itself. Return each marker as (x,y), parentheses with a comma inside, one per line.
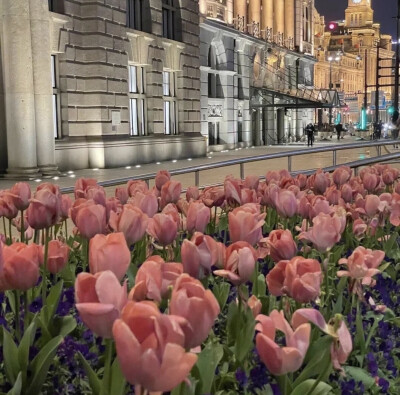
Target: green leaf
(359,374)
(207,362)
(391,244)
(17,388)
(221,293)
(118,382)
(223,223)
(262,286)
(11,300)
(23,348)
(53,299)
(41,364)
(305,387)
(63,325)
(10,355)
(360,330)
(94,381)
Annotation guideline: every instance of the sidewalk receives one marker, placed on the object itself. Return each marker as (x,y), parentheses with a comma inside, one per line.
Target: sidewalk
(68,179)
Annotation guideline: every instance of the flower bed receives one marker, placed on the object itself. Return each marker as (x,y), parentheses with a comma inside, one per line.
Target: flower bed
(285,286)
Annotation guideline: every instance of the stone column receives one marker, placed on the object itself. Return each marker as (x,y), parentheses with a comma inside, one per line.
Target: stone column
(289,22)
(41,56)
(229,9)
(203,7)
(279,20)
(240,15)
(255,17)
(267,18)
(19,94)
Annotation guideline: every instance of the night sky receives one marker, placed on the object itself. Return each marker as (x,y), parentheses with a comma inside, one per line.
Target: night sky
(384,11)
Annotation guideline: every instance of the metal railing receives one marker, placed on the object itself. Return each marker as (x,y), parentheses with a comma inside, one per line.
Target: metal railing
(277,155)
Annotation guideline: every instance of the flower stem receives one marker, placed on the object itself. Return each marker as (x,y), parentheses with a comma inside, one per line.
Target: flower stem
(17,317)
(10,231)
(5,229)
(105,390)
(22,227)
(26,310)
(44,275)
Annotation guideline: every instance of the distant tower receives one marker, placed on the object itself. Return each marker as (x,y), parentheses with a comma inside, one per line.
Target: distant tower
(359,13)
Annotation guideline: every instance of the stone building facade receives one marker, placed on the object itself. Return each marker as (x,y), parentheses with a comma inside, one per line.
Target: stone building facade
(100,83)
(257,56)
(342,51)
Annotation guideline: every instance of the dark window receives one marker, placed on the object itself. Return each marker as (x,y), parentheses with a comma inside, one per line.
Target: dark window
(134,12)
(56,6)
(168,15)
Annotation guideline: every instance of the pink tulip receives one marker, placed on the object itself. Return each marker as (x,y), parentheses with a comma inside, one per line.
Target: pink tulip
(362,265)
(170,273)
(319,181)
(302,181)
(109,253)
(359,228)
(347,193)
(132,222)
(66,204)
(342,343)
(251,182)
(163,228)
(298,278)
(20,269)
(213,196)
(3,283)
(192,193)
(150,348)
(371,181)
(232,188)
(162,177)
(20,194)
(170,192)
(239,264)
(148,282)
(281,360)
(372,205)
(255,305)
(281,245)
(121,193)
(325,232)
(57,257)
(286,203)
(45,208)
(272,175)
(172,210)
(113,205)
(89,218)
(341,175)
(81,186)
(333,195)
(99,300)
(245,223)
(7,207)
(97,194)
(390,175)
(135,186)
(146,201)
(197,306)
(201,253)
(198,217)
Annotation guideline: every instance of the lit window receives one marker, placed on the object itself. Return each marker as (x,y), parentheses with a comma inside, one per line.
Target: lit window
(169,103)
(56,104)
(137,100)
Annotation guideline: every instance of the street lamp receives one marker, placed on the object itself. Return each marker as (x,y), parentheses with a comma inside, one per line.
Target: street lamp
(330,60)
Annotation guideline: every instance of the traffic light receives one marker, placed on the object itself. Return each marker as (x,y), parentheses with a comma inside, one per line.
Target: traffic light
(390,110)
(332,26)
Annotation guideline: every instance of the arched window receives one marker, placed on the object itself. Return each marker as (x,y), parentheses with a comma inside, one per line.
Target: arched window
(352,20)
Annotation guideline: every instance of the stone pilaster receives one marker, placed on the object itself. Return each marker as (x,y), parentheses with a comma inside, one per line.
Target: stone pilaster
(19,91)
(41,61)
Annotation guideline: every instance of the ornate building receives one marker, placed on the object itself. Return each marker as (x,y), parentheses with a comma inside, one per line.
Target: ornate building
(347,52)
(257,59)
(93,84)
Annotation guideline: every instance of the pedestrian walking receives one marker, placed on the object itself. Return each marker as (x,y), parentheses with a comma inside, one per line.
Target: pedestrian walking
(339,129)
(310,130)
